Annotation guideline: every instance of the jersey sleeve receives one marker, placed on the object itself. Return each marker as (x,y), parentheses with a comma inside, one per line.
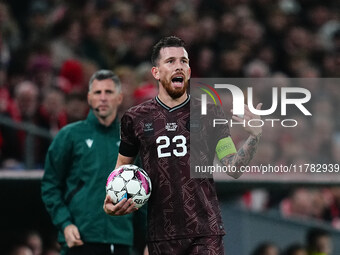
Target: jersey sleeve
(220,131)
(223,142)
(129,145)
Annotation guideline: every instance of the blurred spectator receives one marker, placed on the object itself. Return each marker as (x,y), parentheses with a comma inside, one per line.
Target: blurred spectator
(256,69)
(144,92)
(308,72)
(129,84)
(295,249)
(231,64)
(10,33)
(21,249)
(26,101)
(114,46)
(34,240)
(208,32)
(52,115)
(319,242)
(72,71)
(332,213)
(328,33)
(268,55)
(40,70)
(5,55)
(5,97)
(38,21)
(92,41)
(76,106)
(89,67)
(252,32)
(330,64)
(139,52)
(305,204)
(205,66)
(266,248)
(147,88)
(66,45)
(298,42)
(143,74)
(256,199)
(298,205)
(24,108)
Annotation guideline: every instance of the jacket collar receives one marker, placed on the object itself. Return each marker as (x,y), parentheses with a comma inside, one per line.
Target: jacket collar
(92,119)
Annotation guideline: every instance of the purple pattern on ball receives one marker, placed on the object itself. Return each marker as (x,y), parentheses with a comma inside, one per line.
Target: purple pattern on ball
(144,181)
(113,174)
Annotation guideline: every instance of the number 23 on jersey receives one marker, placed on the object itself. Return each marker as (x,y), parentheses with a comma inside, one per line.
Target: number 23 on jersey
(164,142)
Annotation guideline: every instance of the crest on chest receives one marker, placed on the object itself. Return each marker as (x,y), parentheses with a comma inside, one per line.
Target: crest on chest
(171,126)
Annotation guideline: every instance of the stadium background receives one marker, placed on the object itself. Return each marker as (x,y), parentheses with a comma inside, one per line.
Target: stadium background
(48,50)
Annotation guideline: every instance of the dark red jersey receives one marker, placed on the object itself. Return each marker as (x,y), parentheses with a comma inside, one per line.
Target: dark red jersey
(179,206)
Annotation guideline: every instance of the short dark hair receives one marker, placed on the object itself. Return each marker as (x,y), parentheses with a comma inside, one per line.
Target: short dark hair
(170,41)
(103,75)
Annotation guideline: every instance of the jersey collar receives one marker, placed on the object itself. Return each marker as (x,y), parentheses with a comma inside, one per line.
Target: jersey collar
(173,108)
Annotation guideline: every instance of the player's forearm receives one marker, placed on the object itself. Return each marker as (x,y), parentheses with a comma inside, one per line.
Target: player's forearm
(243,156)
(123,160)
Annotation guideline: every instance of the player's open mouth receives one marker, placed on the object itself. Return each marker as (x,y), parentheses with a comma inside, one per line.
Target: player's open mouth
(177,81)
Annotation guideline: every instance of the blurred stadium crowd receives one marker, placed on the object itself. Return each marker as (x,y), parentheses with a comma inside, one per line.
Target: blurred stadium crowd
(49,49)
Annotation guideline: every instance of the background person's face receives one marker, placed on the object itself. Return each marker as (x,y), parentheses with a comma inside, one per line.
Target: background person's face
(104,98)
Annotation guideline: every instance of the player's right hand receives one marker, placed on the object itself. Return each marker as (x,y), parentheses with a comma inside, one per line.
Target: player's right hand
(72,236)
(123,207)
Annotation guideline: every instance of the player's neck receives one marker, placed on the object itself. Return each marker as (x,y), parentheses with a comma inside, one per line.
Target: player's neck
(171,102)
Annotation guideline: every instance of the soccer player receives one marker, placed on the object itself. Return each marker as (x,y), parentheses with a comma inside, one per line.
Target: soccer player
(183,212)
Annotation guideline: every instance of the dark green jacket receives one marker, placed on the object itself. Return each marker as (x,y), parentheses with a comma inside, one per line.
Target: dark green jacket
(78,162)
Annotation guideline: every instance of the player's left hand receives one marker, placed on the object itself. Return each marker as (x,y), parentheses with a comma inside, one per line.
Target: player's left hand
(256,128)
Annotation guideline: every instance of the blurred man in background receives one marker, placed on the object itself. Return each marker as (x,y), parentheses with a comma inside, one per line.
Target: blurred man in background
(78,163)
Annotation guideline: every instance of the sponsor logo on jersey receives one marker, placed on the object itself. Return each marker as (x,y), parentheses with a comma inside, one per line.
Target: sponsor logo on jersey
(148,127)
(171,126)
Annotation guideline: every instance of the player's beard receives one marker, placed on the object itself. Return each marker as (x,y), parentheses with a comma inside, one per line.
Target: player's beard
(174,93)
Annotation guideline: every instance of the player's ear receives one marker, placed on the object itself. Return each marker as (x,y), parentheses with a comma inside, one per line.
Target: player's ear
(155,72)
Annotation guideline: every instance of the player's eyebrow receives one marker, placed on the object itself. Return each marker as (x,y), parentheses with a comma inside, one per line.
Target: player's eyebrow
(172,58)
(169,58)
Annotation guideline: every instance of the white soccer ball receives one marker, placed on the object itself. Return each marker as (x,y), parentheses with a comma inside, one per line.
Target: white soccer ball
(129,181)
